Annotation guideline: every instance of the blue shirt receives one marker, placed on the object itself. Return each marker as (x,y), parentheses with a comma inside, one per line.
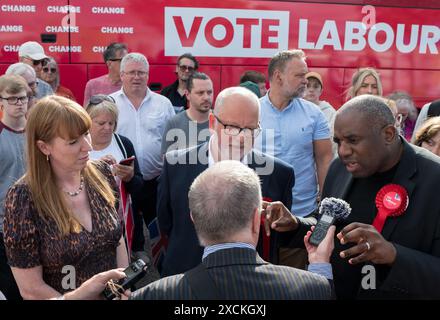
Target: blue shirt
(323,269)
(288,134)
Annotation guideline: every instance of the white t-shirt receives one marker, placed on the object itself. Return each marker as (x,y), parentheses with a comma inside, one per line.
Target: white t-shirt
(112,149)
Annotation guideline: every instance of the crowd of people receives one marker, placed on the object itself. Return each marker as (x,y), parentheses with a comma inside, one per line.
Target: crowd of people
(235,185)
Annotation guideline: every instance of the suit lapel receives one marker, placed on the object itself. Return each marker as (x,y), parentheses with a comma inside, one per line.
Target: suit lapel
(253,160)
(405,171)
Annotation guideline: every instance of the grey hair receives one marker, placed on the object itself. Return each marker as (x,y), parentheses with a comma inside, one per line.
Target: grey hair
(235,90)
(279,60)
(222,201)
(135,57)
(20,69)
(374,109)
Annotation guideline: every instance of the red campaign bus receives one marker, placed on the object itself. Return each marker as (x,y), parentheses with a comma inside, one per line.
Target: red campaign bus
(398,37)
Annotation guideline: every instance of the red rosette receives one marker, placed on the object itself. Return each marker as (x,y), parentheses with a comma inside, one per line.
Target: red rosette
(266,238)
(391,201)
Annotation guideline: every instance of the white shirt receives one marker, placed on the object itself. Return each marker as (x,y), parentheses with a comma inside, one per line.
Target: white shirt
(211,160)
(112,149)
(144,127)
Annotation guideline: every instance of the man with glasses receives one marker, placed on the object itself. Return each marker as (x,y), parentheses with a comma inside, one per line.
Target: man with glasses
(32,54)
(234,125)
(176,92)
(13,104)
(143,115)
(110,82)
(28,73)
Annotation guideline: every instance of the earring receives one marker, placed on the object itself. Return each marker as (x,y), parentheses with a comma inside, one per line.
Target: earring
(47,157)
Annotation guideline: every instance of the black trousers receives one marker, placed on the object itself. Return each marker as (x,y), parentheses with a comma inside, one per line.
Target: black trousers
(8,286)
(147,208)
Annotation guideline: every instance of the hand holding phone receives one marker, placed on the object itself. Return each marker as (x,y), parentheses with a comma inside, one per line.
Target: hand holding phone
(128,161)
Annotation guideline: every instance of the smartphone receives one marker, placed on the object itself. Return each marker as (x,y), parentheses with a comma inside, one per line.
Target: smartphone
(128,161)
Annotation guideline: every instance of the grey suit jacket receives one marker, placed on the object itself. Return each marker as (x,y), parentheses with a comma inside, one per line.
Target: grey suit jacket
(240,274)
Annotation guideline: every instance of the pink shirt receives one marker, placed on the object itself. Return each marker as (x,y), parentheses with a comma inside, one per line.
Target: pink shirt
(100,85)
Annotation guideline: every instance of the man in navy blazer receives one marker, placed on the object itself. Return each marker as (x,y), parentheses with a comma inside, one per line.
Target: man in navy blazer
(234,124)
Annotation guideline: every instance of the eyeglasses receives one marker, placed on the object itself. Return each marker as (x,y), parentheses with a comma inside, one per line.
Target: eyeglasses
(14,100)
(97,99)
(235,131)
(135,73)
(183,68)
(115,59)
(43,62)
(52,70)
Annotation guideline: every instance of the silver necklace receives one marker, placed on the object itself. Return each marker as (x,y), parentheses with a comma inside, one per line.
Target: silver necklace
(77,192)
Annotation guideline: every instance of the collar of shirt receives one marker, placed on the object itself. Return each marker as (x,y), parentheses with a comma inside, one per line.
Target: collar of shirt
(222,246)
(211,160)
(146,98)
(290,105)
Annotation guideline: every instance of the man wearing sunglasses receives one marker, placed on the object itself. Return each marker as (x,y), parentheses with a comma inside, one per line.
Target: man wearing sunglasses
(110,82)
(176,92)
(32,53)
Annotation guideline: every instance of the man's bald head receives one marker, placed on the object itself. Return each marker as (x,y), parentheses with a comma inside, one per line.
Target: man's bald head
(232,94)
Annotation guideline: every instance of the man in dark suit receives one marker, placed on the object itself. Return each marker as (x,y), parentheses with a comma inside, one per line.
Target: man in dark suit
(234,124)
(402,259)
(225,203)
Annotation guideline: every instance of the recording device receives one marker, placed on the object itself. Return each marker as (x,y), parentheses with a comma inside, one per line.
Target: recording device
(128,161)
(331,210)
(134,273)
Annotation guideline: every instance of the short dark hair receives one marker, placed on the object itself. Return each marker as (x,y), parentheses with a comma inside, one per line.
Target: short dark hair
(112,48)
(373,109)
(195,75)
(254,76)
(190,57)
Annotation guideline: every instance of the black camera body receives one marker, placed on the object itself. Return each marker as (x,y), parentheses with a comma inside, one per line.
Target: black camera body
(134,273)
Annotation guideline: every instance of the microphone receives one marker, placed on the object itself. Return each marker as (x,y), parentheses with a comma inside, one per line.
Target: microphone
(331,210)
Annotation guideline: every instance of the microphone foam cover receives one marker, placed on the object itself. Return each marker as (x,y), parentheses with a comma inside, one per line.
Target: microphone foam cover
(335,207)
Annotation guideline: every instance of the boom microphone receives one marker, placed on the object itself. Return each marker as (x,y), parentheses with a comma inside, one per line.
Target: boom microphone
(331,210)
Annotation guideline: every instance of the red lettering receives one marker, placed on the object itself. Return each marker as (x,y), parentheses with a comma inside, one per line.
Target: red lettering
(266,33)
(247,29)
(187,40)
(209,32)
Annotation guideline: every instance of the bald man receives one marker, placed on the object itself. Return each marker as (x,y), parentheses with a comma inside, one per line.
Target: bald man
(234,125)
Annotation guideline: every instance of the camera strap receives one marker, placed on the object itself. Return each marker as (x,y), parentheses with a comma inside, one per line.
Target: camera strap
(201,283)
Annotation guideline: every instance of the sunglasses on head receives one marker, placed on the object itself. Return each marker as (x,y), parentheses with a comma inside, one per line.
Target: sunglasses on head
(97,99)
(46,69)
